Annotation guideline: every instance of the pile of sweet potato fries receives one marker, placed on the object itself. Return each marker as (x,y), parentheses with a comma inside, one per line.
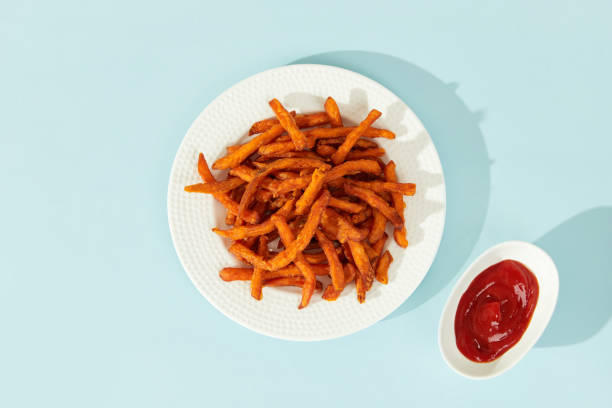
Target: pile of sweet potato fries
(318,187)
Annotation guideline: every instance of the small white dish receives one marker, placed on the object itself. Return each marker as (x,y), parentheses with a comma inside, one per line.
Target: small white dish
(543,267)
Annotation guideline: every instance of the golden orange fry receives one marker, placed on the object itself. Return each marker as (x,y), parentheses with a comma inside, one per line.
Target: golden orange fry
(345,205)
(288,123)
(382,268)
(331,107)
(378,226)
(362,262)
(398,202)
(215,187)
(382,187)
(258,273)
(311,192)
(335,267)
(235,158)
(362,154)
(352,137)
(287,236)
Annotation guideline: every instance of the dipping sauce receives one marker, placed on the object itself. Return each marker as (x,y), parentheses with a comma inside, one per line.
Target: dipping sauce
(495,310)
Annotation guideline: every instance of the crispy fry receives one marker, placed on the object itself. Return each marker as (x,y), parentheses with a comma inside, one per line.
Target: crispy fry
(302,121)
(333,112)
(284,175)
(335,267)
(352,137)
(287,236)
(345,205)
(380,244)
(378,226)
(235,158)
(215,187)
(331,293)
(362,262)
(362,154)
(361,143)
(305,235)
(265,227)
(382,267)
(353,167)
(288,123)
(360,287)
(376,202)
(304,153)
(262,125)
(241,251)
(311,192)
(292,281)
(246,274)
(258,273)
(280,164)
(398,202)
(381,187)
(329,133)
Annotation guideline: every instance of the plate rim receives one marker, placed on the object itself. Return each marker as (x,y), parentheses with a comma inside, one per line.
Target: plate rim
(245,323)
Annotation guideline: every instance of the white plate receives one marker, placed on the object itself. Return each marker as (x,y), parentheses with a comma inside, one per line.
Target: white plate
(546,273)
(226,121)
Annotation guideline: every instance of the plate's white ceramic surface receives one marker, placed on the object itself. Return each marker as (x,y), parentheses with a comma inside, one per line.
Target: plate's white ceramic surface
(545,271)
(226,121)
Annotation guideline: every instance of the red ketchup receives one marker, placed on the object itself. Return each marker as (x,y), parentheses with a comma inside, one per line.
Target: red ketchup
(495,310)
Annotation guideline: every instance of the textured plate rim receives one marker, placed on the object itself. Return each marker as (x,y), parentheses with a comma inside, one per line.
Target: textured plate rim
(245,323)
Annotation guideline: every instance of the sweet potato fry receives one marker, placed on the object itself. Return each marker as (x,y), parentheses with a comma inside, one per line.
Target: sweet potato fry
(331,293)
(381,187)
(280,164)
(345,205)
(302,121)
(262,125)
(382,267)
(335,120)
(241,251)
(235,158)
(363,154)
(284,175)
(288,123)
(378,226)
(246,274)
(286,235)
(244,172)
(215,187)
(258,273)
(360,287)
(236,274)
(297,281)
(362,262)
(380,244)
(376,202)
(304,153)
(329,133)
(311,192)
(335,267)
(337,141)
(305,235)
(398,202)
(353,167)
(352,137)
(241,232)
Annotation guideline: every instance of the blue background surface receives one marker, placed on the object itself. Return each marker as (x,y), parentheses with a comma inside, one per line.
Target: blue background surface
(95,308)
